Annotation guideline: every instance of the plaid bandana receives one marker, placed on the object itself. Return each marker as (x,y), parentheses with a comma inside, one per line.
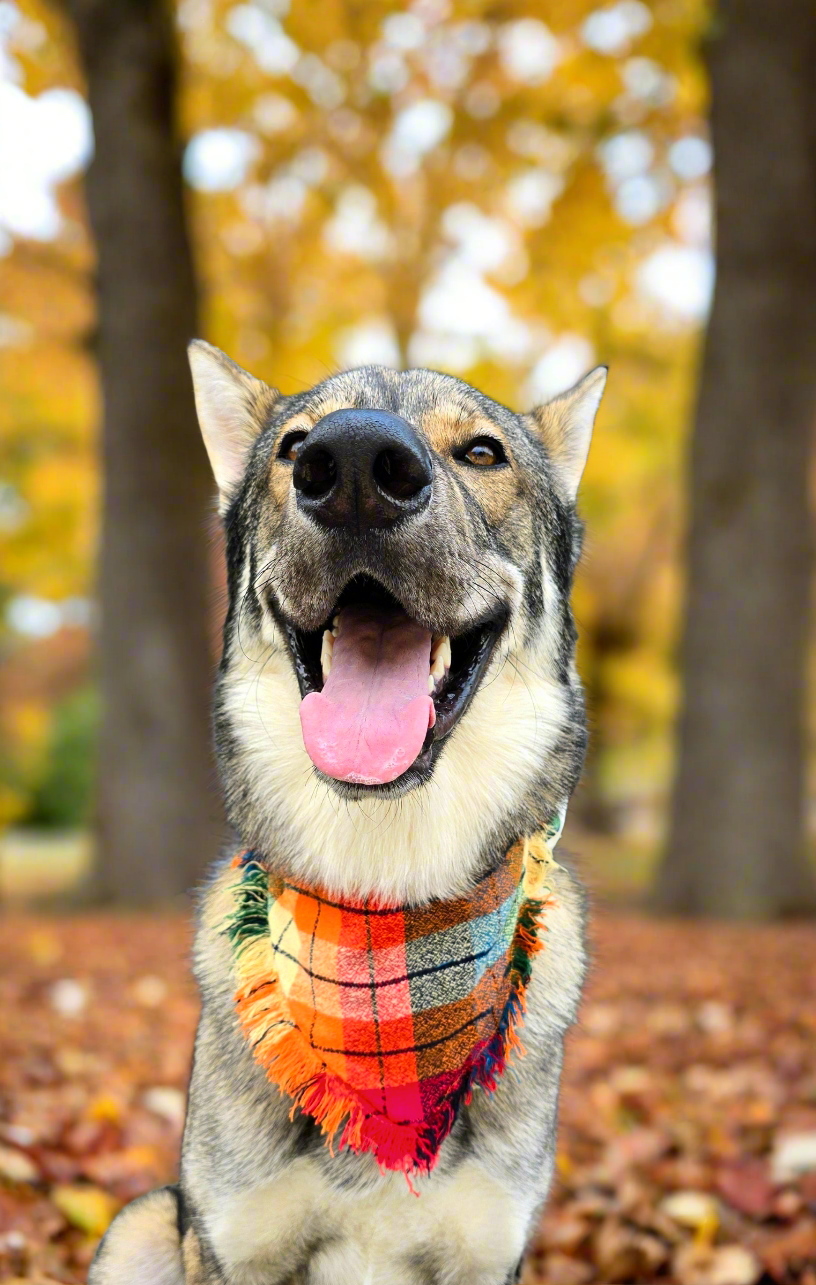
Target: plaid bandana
(380,1020)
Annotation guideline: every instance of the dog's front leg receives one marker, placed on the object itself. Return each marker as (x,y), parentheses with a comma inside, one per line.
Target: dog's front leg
(147,1244)
(142,1246)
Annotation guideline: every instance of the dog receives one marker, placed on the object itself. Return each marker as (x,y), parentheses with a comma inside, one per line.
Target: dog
(398,511)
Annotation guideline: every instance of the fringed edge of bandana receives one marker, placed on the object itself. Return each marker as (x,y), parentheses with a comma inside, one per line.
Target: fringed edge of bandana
(298,1071)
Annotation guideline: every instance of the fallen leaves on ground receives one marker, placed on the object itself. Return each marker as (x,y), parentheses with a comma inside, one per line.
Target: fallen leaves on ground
(687,1144)
(97,1016)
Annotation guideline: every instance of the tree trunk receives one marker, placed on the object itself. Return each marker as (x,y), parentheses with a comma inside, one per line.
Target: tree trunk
(737,844)
(158,814)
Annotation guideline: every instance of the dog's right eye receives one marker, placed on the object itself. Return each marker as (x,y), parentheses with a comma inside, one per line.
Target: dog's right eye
(290,445)
(483,452)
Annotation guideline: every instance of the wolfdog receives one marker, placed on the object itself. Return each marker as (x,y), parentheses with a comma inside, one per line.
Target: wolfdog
(399,726)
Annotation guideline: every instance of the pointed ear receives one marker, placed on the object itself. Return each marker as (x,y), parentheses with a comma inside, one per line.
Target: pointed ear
(565,426)
(233,408)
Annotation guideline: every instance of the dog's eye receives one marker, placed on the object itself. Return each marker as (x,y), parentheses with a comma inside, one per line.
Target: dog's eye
(290,445)
(484,452)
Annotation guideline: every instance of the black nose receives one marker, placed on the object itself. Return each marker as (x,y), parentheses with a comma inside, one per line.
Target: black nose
(362,469)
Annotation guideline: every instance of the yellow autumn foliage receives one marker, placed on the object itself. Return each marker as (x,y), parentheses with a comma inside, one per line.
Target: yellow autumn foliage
(470,185)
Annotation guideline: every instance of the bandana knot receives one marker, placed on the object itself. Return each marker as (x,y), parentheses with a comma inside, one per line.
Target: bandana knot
(379,1020)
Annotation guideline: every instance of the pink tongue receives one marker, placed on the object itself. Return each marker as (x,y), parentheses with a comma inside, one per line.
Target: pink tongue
(370,720)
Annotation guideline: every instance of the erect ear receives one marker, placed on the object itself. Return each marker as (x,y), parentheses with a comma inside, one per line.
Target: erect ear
(233,408)
(565,425)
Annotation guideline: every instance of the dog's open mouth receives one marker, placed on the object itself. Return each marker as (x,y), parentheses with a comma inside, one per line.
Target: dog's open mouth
(379,689)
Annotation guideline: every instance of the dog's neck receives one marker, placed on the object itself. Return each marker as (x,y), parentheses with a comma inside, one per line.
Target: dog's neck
(371,839)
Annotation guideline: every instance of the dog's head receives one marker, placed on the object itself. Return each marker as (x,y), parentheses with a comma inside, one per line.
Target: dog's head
(397,688)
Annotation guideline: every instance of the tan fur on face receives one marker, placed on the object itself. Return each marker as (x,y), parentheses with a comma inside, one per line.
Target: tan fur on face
(450,427)
(449,424)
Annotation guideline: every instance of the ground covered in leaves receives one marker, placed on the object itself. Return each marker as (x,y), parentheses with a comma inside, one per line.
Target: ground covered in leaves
(687,1148)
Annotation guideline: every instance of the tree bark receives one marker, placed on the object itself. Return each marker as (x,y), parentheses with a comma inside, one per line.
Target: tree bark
(737,845)
(158,816)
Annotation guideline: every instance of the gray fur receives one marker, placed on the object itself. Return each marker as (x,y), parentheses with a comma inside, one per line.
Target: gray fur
(260,1197)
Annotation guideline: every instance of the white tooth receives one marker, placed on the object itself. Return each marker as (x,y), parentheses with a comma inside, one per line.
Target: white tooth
(326,653)
(336,621)
(335,631)
(441,653)
(431,684)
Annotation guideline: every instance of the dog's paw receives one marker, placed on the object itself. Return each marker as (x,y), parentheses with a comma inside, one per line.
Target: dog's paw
(141,1246)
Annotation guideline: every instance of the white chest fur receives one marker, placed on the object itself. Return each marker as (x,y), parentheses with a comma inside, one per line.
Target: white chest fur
(385,1237)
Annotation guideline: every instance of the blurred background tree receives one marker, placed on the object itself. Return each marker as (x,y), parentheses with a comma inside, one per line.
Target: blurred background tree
(156,813)
(509,192)
(738,842)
